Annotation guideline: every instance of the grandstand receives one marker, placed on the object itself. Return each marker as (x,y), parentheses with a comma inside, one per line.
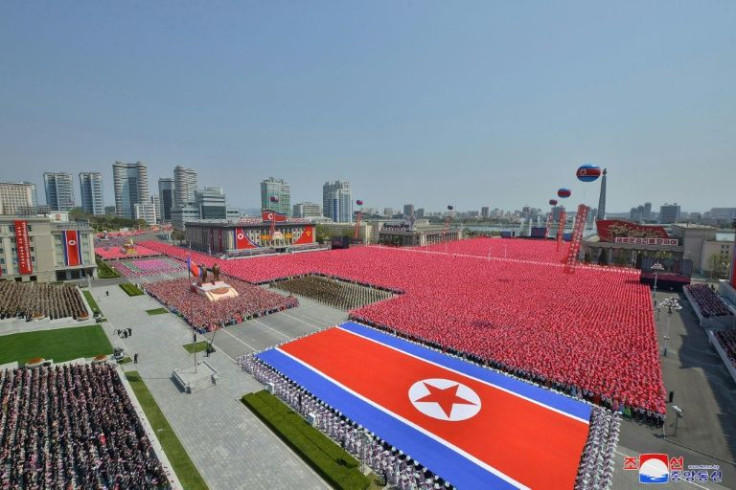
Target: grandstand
(73,426)
(33,301)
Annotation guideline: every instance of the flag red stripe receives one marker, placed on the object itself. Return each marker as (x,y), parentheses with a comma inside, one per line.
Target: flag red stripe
(526,441)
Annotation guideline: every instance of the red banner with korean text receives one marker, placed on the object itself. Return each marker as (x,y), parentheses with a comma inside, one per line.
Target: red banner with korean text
(72,248)
(23,245)
(610,229)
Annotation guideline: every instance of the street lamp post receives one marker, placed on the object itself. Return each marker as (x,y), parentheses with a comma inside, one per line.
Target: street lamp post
(657,268)
(672,305)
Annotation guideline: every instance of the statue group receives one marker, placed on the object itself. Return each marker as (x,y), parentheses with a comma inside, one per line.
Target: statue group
(203,274)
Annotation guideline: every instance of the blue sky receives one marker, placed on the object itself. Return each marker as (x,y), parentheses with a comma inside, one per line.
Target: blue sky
(469,103)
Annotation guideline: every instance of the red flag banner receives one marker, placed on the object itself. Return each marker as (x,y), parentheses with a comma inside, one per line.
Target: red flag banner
(610,229)
(268,215)
(72,248)
(307,236)
(23,244)
(242,242)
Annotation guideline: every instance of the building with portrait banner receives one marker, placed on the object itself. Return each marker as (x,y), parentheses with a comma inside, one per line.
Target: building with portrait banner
(274,232)
(45,250)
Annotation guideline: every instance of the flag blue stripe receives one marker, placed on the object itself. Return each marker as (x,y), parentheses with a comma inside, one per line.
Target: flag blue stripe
(434,455)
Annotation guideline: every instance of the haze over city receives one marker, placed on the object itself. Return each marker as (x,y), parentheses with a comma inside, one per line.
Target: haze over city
(474,103)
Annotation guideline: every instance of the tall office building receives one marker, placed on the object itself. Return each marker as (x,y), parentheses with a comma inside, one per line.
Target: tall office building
(211,203)
(185,186)
(408,210)
(59,188)
(280,189)
(166,190)
(90,187)
(485,212)
(337,201)
(602,198)
(130,181)
(307,210)
(669,213)
(18,198)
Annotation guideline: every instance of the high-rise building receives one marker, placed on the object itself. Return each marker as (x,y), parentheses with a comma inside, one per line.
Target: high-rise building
(59,188)
(337,201)
(388,212)
(278,188)
(602,198)
(485,212)
(408,210)
(306,210)
(166,190)
(157,206)
(185,186)
(211,203)
(146,211)
(419,213)
(18,198)
(90,188)
(647,211)
(669,213)
(130,181)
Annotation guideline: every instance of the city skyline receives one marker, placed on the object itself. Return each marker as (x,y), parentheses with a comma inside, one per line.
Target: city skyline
(402,106)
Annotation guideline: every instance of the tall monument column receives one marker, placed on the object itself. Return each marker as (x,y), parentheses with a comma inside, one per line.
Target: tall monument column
(602,200)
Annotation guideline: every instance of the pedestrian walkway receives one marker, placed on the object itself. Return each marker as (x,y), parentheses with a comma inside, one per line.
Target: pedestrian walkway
(229,445)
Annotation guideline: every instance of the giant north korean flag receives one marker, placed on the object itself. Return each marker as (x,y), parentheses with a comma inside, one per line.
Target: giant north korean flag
(474,427)
(72,248)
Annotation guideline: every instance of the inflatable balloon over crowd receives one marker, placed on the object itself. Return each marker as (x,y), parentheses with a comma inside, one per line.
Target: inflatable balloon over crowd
(588,172)
(564,192)
(274,199)
(553,202)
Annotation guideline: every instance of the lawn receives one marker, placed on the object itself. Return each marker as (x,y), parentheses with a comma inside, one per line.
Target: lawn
(131,289)
(198,347)
(104,271)
(183,466)
(157,311)
(332,462)
(62,344)
(92,303)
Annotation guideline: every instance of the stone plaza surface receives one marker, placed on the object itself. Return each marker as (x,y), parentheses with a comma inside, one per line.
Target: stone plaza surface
(229,445)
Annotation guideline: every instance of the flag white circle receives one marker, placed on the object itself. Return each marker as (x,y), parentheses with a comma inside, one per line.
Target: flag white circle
(240,236)
(444,399)
(72,242)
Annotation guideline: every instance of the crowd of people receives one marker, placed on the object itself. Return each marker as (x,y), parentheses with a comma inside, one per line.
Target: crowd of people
(332,292)
(204,315)
(398,469)
(33,300)
(144,270)
(111,252)
(73,426)
(590,333)
(727,339)
(710,304)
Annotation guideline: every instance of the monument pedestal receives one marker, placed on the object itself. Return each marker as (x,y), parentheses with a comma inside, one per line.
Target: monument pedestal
(214,291)
(192,382)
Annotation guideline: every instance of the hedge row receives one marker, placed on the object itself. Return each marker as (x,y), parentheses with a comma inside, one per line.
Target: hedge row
(104,271)
(328,459)
(131,289)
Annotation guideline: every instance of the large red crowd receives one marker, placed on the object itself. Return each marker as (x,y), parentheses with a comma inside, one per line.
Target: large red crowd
(112,252)
(591,333)
(710,304)
(202,314)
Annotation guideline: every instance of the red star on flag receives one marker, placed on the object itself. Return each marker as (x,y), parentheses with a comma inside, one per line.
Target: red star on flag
(446,398)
